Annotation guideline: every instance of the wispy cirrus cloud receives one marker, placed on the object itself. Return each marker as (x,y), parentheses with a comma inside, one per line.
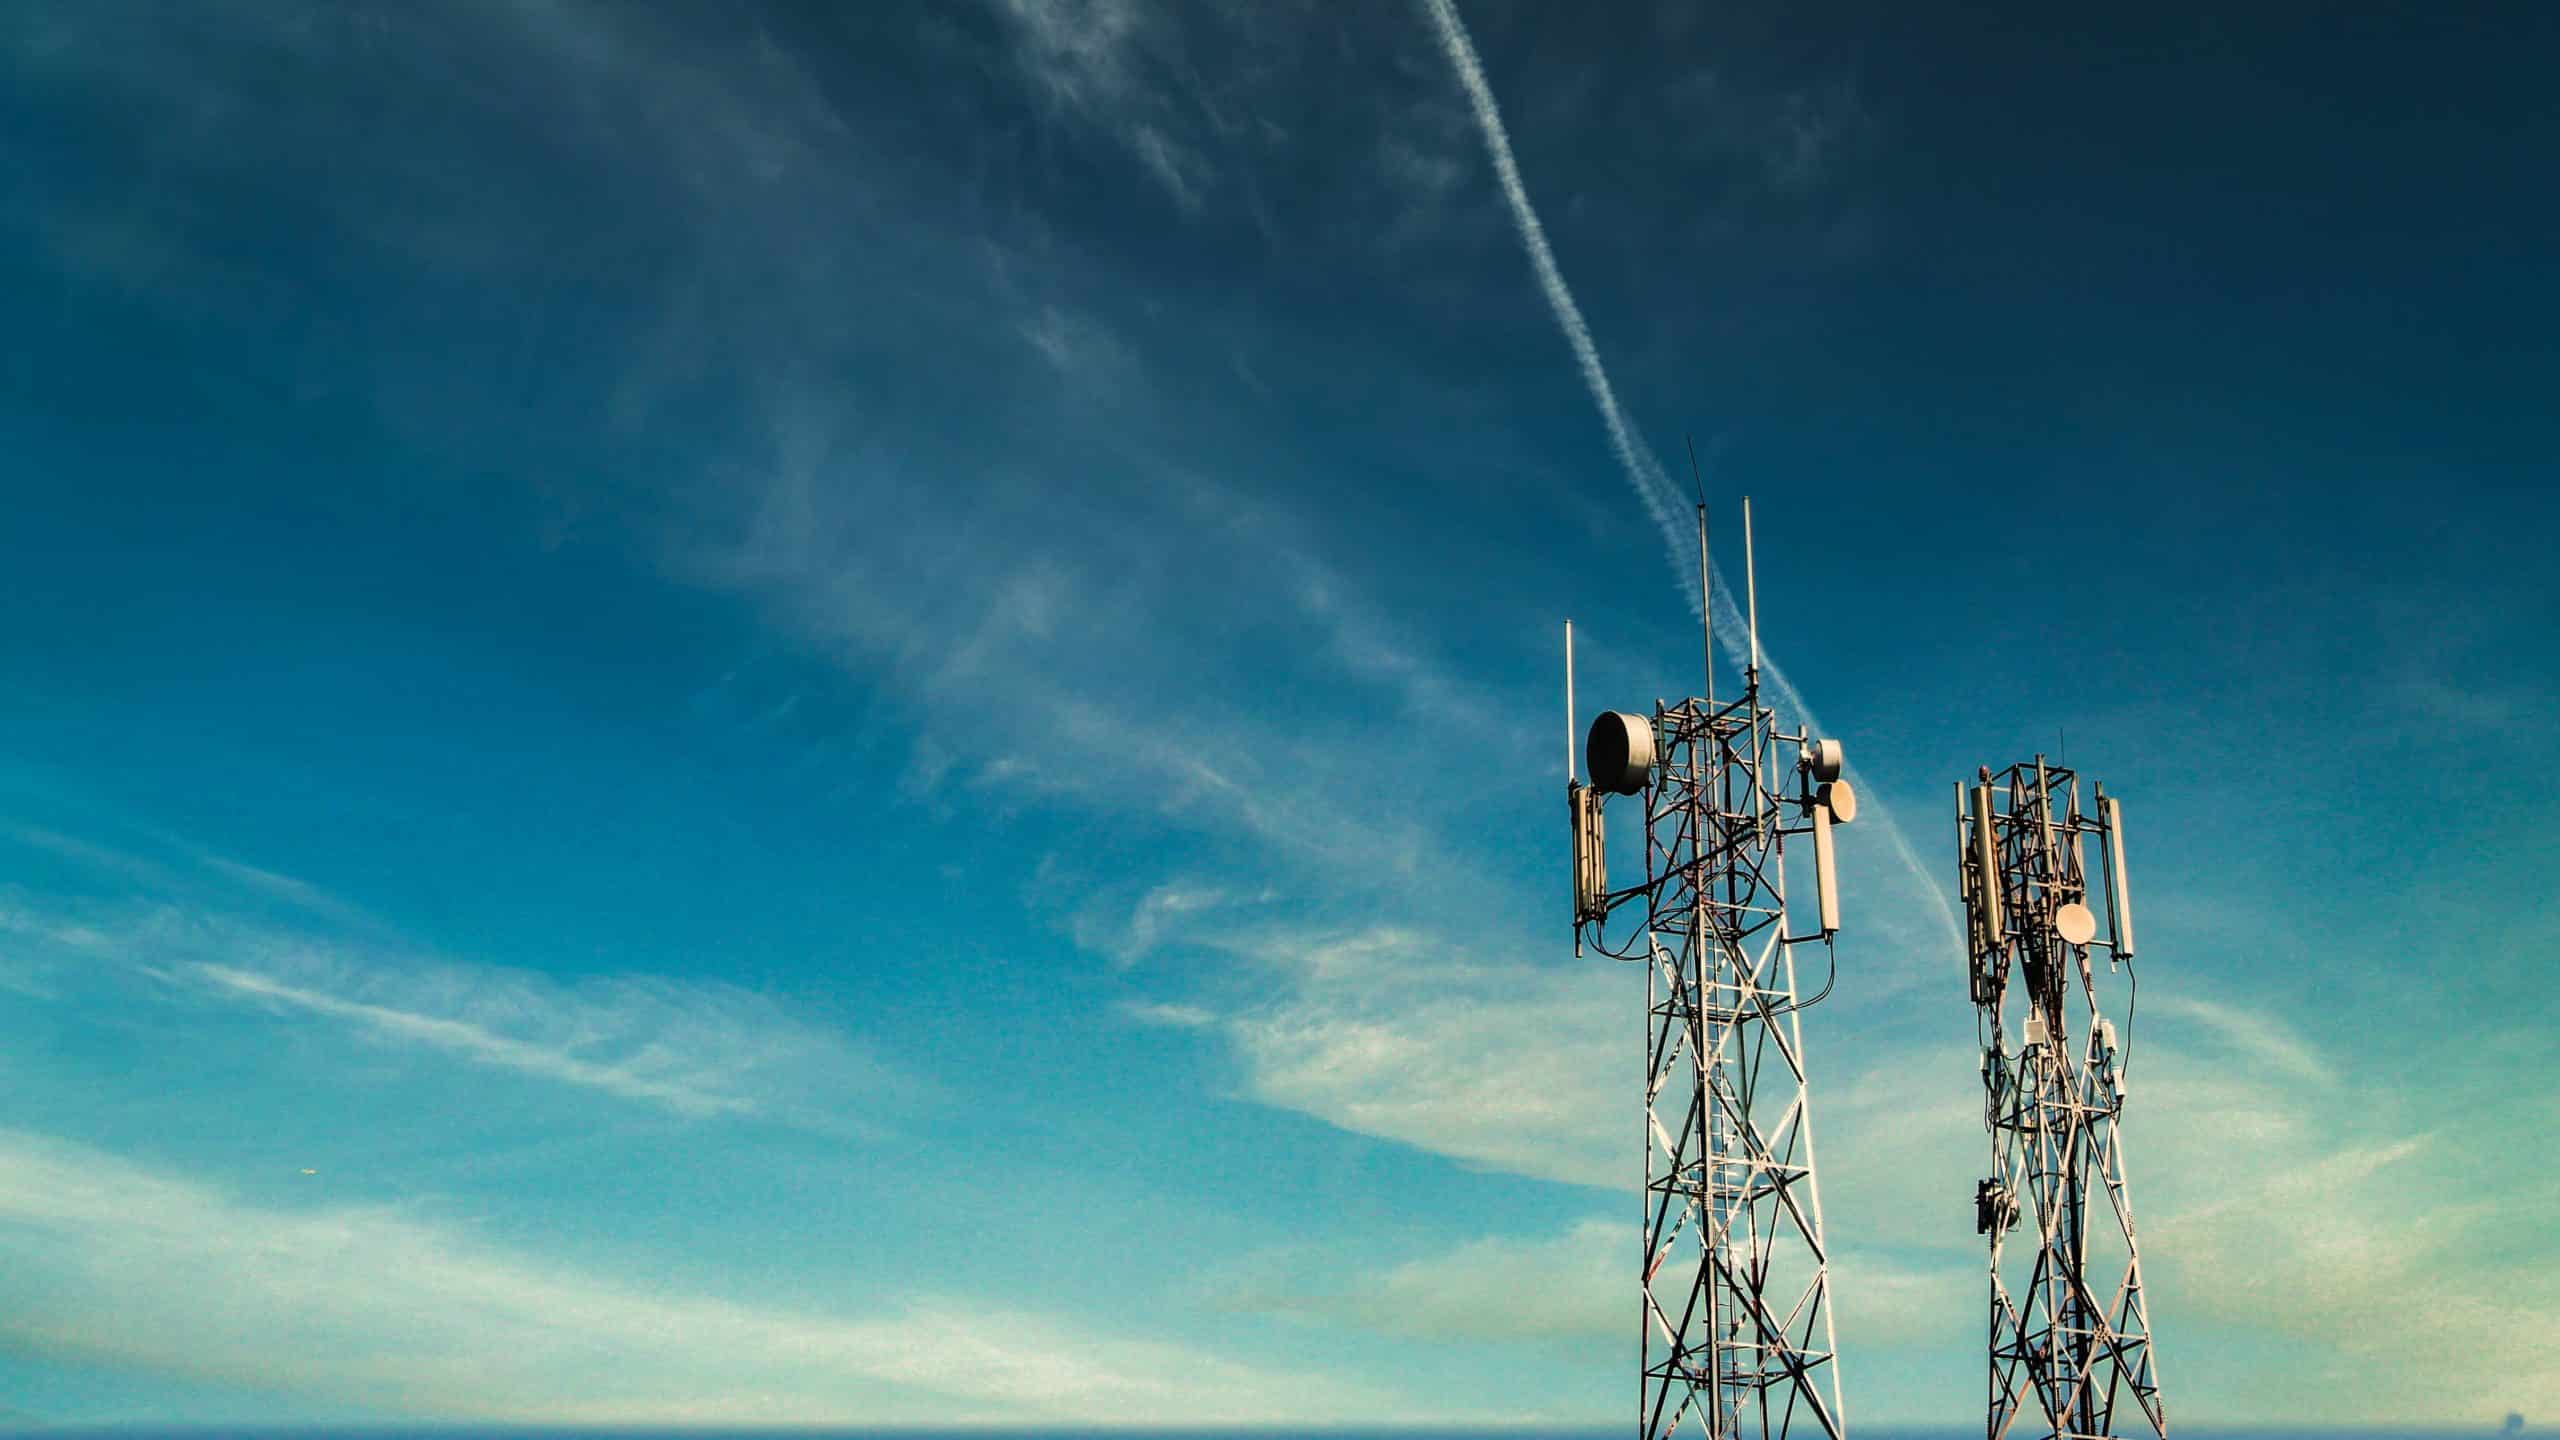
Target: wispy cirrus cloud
(1086,58)
(952,615)
(2251,1193)
(2271,1187)
(1128,935)
(1393,1033)
(654,1076)
(301,894)
(2281,1189)
(695,1048)
(2361,1251)
(1575,1283)
(2252,1034)
(391,1308)
(1580,1283)
(167,865)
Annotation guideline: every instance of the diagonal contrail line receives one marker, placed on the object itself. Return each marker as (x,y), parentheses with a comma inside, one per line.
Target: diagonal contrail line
(1662,498)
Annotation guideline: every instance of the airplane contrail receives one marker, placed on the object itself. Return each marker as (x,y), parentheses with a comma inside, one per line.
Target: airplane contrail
(1662,498)
(1652,486)
(1731,622)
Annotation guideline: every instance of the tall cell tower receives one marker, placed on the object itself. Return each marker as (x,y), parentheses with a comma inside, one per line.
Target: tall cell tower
(2070,1337)
(1737,1327)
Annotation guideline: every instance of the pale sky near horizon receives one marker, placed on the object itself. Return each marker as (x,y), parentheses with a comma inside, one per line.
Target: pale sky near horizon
(807,712)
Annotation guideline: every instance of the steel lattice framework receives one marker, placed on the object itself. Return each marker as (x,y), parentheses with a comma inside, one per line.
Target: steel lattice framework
(2070,1340)
(1737,1324)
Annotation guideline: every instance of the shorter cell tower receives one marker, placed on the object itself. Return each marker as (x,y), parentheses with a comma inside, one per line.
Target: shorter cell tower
(2070,1338)
(1735,1279)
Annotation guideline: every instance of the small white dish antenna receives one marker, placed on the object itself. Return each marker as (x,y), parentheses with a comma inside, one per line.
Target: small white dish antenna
(2075,924)
(1836,797)
(1823,758)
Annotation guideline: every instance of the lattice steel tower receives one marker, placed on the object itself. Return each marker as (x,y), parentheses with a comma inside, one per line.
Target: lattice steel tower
(1737,1327)
(2070,1338)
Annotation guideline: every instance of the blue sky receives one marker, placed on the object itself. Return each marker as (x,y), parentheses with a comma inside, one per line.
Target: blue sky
(851,712)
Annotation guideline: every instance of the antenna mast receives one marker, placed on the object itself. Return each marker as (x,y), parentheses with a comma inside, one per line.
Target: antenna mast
(1751,597)
(1706,610)
(2070,1332)
(1706,584)
(1737,1326)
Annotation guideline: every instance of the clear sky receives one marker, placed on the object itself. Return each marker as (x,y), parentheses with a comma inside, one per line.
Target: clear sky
(852,712)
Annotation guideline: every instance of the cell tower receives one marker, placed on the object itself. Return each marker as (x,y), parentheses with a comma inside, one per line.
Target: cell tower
(2070,1339)
(1737,1327)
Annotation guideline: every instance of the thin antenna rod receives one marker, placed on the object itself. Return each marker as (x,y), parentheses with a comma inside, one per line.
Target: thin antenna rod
(1568,702)
(1706,610)
(1751,596)
(1706,593)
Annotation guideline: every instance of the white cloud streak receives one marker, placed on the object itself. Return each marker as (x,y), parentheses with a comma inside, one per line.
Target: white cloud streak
(1398,1034)
(2273,1198)
(810,550)
(2256,1194)
(1659,496)
(1085,57)
(113,1261)
(699,1049)
(1581,1283)
(2251,1034)
(474,1042)
(1578,1282)
(696,1048)
(2357,1249)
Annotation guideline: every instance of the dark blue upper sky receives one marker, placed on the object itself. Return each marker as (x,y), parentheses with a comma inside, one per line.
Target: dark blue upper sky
(709,708)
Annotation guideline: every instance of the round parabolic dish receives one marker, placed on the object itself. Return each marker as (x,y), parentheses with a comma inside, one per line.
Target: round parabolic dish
(1825,758)
(1618,755)
(1836,797)
(2075,924)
